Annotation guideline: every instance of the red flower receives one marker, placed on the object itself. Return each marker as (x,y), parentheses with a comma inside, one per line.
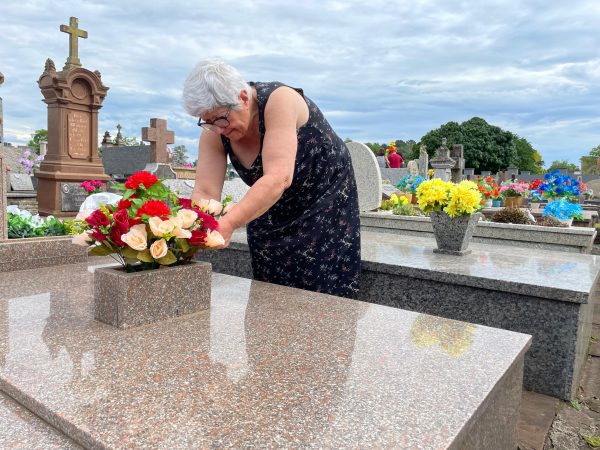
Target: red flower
(154,208)
(98,235)
(198,237)
(121,219)
(208,221)
(126,204)
(97,219)
(144,178)
(185,203)
(115,235)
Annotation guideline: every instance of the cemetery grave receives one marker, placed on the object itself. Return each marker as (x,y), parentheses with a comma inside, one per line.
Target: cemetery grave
(267,365)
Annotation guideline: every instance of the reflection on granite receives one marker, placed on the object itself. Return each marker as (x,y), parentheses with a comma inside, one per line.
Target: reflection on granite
(265,366)
(20,429)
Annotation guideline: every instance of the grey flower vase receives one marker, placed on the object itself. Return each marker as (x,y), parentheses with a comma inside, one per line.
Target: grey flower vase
(453,235)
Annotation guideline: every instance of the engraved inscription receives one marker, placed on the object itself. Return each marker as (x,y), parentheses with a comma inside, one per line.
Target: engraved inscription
(71,197)
(78,124)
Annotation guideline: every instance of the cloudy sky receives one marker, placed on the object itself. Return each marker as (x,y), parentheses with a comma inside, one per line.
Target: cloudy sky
(380,70)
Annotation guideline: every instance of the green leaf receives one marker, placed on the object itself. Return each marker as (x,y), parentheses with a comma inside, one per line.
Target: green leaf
(575,404)
(593,441)
(168,259)
(128,193)
(119,186)
(158,191)
(137,201)
(100,250)
(182,244)
(129,253)
(145,256)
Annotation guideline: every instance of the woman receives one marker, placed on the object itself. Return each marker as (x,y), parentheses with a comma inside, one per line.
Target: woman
(301,210)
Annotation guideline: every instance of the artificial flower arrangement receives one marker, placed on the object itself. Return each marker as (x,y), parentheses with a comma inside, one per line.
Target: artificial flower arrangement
(30,161)
(563,210)
(514,189)
(143,232)
(488,188)
(409,183)
(555,185)
(92,186)
(392,202)
(460,199)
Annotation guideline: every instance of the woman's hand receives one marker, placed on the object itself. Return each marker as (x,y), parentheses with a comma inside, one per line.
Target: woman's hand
(226,231)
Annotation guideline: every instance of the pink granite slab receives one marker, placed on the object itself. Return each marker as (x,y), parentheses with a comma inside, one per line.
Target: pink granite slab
(265,366)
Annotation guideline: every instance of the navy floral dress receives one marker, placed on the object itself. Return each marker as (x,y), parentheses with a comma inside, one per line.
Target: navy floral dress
(310,238)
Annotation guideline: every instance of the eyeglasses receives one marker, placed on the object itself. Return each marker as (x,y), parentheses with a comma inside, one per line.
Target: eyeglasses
(221,122)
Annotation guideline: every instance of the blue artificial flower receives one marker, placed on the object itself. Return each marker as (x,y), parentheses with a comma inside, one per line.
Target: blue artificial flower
(563,210)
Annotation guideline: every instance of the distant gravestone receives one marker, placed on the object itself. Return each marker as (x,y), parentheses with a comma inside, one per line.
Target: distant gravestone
(121,162)
(158,136)
(393,175)
(367,174)
(72,195)
(236,188)
(388,189)
(21,182)
(486,173)
(3,226)
(442,163)
(457,155)
(423,161)
(183,188)
(413,167)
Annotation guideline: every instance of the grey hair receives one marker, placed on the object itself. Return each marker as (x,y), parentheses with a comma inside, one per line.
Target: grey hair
(213,84)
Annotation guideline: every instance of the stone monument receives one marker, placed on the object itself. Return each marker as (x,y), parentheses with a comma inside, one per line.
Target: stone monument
(442,162)
(413,167)
(457,154)
(159,137)
(368,176)
(423,161)
(3,226)
(1,114)
(119,138)
(74,96)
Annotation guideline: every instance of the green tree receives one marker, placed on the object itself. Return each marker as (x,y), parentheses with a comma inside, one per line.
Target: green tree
(595,151)
(180,156)
(528,158)
(486,147)
(130,141)
(563,164)
(374,146)
(36,138)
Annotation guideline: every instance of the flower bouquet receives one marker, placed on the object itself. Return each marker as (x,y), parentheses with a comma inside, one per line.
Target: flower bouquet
(410,183)
(30,161)
(451,208)
(143,232)
(563,211)
(514,192)
(489,190)
(92,186)
(557,186)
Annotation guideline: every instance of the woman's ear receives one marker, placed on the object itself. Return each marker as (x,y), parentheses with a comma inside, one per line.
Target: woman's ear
(244,99)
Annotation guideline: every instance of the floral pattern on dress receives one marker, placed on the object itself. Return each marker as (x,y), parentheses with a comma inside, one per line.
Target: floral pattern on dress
(310,238)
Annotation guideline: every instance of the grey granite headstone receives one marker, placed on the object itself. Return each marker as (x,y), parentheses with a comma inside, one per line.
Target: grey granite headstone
(71,196)
(183,188)
(486,173)
(388,189)
(236,188)
(393,175)
(121,162)
(21,182)
(368,176)
(161,170)
(469,171)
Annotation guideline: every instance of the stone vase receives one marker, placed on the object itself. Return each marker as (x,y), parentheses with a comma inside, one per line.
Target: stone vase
(127,300)
(453,234)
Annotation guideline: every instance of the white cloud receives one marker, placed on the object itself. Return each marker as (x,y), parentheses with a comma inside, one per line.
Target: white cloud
(380,70)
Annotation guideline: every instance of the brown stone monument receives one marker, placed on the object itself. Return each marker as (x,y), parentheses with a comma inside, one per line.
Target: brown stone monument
(3,225)
(158,136)
(74,96)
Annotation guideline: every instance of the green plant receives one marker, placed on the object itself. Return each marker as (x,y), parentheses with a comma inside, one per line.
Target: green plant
(75,226)
(405,210)
(511,215)
(52,227)
(19,227)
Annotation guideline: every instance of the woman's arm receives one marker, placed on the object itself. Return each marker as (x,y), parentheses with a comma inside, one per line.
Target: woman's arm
(285,111)
(211,167)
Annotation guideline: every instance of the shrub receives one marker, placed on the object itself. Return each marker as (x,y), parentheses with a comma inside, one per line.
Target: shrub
(511,215)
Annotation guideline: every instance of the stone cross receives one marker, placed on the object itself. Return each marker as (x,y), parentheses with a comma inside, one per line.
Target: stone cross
(442,163)
(158,136)
(74,34)
(119,138)
(457,154)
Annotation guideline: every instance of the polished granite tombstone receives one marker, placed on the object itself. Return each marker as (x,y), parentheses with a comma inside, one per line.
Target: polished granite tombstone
(266,366)
(549,295)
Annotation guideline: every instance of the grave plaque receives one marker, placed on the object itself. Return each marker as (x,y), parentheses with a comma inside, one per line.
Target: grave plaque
(20,182)
(72,196)
(78,129)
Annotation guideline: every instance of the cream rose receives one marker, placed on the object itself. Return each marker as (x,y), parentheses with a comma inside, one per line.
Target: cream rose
(187,217)
(158,249)
(202,204)
(136,238)
(214,207)
(178,231)
(160,227)
(82,239)
(214,239)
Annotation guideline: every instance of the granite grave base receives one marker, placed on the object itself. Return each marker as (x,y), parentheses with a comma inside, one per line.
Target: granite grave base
(29,253)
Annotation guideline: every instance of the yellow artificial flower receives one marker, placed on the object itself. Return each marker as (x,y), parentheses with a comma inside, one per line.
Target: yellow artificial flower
(403,200)
(394,199)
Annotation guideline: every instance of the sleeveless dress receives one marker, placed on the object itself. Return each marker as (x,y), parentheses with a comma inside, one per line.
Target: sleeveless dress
(310,238)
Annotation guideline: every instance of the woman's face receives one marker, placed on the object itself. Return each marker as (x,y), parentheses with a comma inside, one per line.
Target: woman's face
(233,123)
